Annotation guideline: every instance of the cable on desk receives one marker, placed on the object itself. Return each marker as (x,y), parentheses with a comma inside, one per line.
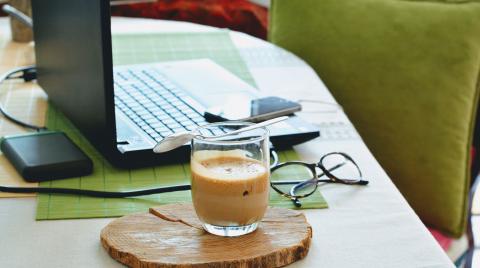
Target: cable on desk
(92,193)
(105,194)
(17,14)
(336,107)
(27,73)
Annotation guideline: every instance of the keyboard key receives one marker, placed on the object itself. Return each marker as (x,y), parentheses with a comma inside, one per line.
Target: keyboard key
(161,116)
(152,120)
(161,129)
(166,133)
(151,131)
(174,125)
(157,125)
(183,119)
(198,119)
(155,134)
(188,123)
(180,129)
(148,116)
(191,127)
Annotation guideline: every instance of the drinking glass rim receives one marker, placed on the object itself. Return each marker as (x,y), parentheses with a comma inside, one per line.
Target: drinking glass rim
(264,135)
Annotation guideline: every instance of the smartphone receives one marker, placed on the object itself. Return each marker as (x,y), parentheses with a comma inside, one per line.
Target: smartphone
(255,110)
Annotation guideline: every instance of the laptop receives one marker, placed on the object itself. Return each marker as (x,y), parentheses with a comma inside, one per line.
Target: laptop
(125,110)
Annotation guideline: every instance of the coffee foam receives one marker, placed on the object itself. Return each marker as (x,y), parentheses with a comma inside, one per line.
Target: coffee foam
(226,165)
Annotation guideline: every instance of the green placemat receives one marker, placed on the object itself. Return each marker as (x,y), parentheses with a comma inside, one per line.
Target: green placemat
(129,49)
(147,48)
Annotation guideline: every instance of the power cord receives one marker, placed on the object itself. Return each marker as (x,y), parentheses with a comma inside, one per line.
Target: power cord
(27,73)
(105,194)
(92,193)
(335,106)
(17,14)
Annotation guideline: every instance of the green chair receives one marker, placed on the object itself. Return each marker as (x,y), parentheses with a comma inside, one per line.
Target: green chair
(406,73)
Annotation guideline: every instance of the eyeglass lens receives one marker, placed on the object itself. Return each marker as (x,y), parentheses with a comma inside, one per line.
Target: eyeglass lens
(292,174)
(347,172)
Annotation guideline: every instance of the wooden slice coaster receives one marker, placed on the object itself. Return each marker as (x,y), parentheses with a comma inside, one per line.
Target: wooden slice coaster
(172,236)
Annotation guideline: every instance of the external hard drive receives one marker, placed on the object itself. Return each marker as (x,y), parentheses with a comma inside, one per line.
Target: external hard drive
(48,155)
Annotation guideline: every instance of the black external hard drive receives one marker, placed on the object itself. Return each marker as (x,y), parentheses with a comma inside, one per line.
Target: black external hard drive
(48,155)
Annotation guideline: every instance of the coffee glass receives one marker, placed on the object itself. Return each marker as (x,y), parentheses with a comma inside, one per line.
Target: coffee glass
(230,178)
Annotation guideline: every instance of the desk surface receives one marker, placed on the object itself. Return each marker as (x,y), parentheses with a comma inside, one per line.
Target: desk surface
(364,227)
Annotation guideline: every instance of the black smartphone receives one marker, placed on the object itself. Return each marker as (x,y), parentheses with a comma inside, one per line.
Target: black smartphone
(256,110)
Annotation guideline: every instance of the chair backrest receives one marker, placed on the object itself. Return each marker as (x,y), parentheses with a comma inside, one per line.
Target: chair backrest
(411,100)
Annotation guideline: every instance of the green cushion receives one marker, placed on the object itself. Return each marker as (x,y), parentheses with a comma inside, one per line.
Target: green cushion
(406,73)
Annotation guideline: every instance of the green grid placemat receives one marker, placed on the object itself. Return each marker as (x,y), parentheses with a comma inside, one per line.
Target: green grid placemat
(129,49)
(149,48)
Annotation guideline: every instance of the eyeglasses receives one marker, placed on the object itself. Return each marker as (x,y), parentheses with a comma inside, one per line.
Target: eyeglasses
(338,167)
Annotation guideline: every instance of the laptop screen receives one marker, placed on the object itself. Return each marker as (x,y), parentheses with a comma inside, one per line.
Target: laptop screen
(74,63)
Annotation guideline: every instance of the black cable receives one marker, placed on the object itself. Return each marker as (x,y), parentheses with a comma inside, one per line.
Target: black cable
(104,194)
(28,73)
(92,193)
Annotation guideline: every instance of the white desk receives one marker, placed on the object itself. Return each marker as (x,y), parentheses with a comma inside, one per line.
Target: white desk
(363,227)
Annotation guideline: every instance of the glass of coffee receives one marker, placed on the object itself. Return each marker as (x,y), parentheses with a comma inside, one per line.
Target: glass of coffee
(230,178)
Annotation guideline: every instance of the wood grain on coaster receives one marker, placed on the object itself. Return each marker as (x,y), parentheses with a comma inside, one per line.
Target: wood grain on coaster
(172,236)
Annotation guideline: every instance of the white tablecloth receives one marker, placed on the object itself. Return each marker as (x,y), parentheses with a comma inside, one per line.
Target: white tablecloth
(369,226)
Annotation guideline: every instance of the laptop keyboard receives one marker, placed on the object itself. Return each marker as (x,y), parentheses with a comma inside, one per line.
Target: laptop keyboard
(154,103)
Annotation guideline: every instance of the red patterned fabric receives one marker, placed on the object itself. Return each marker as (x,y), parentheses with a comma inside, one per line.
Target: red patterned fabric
(474,154)
(444,241)
(239,15)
